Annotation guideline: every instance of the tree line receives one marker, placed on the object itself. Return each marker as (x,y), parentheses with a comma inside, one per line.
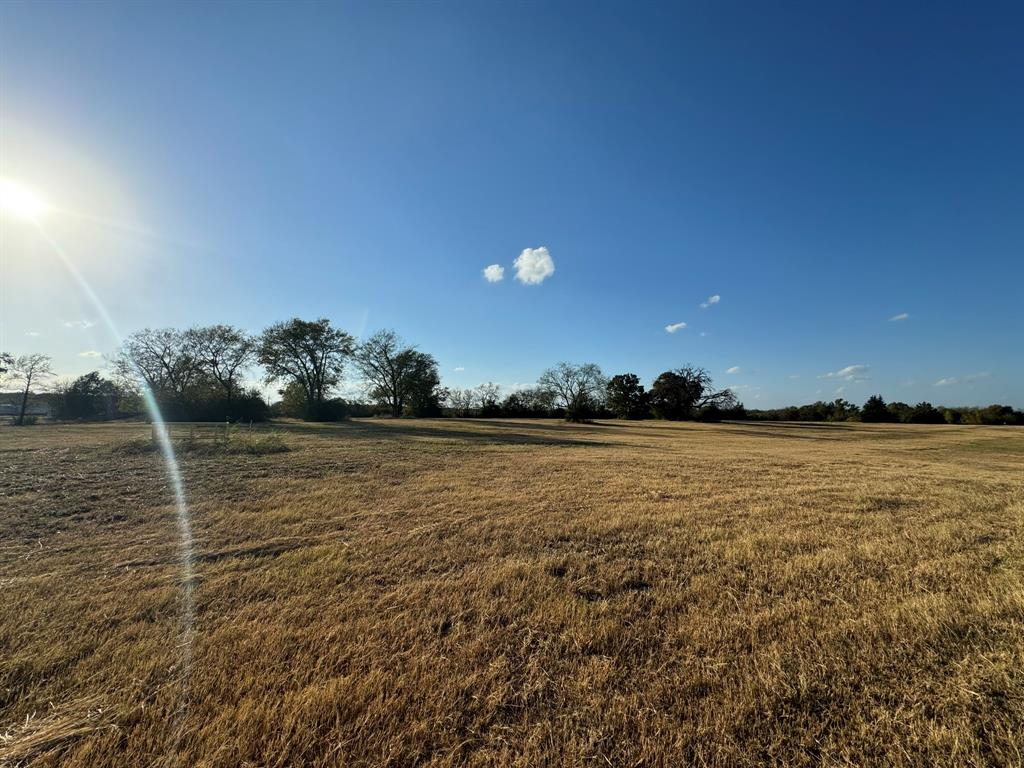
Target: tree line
(200,373)
(876,410)
(203,374)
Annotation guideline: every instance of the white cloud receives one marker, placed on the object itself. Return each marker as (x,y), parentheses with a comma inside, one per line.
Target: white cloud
(90,353)
(793,376)
(734,369)
(840,390)
(459,368)
(673,327)
(849,373)
(900,316)
(33,334)
(534,266)
(970,378)
(704,333)
(495,273)
(80,325)
(712,300)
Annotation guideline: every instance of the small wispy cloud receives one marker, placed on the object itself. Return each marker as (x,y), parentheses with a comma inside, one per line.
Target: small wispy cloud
(90,353)
(970,378)
(494,273)
(840,390)
(534,266)
(33,334)
(673,327)
(849,373)
(712,300)
(80,325)
(459,368)
(793,376)
(734,369)
(900,316)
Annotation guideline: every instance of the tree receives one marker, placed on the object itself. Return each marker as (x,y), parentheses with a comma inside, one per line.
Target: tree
(577,388)
(875,410)
(6,361)
(487,395)
(165,361)
(460,400)
(398,375)
(88,397)
(310,353)
(926,413)
(626,397)
(842,410)
(224,352)
(423,392)
(678,395)
(27,371)
(898,412)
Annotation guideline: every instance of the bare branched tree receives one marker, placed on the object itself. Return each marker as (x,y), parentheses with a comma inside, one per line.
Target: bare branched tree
(28,373)
(487,395)
(461,401)
(164,359)
(577,388)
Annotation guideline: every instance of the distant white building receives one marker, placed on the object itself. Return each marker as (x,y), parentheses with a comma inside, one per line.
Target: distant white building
(42,410)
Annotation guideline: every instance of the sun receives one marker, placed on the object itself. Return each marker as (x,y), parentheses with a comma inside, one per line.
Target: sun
(20,202)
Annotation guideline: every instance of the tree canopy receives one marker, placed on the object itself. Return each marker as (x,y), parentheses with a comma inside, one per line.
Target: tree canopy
(626,398)
(310,353)
(578,388)
(680,393)
(398,375)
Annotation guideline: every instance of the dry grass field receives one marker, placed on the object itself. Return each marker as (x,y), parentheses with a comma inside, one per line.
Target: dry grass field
(517,593)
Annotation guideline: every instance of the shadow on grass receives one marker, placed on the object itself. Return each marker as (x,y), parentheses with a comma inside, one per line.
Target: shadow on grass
(794,430)
(493,432)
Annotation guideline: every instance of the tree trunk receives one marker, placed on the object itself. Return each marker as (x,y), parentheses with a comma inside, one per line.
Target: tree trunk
(24,405)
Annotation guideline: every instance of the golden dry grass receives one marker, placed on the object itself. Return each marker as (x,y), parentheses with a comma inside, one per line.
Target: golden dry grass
(444,593)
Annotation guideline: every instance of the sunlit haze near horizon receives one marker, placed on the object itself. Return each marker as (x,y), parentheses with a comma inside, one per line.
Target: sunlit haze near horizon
(810,202)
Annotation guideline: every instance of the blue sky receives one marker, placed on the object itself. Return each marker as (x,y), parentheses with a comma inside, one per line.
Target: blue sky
(821,168)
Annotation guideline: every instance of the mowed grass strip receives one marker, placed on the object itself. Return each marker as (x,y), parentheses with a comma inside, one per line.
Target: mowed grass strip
(517,593)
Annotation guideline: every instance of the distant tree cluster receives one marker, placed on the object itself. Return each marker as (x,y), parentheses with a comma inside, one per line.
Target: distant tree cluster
(876,410)
(579,392)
